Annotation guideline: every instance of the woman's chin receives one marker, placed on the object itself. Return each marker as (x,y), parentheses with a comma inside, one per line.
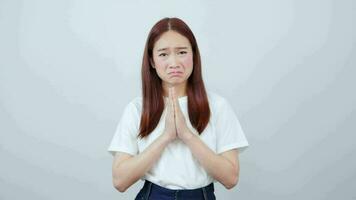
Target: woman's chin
(174,82)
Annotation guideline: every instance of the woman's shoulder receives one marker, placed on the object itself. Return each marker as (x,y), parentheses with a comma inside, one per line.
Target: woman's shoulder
(137,100)
(215,99)
(135,103)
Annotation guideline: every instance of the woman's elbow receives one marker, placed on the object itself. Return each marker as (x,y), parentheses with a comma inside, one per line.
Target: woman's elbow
(119,185)
(232,182)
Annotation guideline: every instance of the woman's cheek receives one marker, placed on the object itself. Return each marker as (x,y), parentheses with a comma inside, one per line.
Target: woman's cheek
(160,63)
(188,61)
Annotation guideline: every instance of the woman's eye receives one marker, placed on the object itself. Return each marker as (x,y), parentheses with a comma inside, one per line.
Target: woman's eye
(182,52)
(162,54)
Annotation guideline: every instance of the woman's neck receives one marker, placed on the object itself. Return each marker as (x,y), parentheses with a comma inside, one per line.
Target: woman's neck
(180,90)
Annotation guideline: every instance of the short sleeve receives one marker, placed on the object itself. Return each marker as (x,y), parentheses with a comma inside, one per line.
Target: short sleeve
(229,131)
(125,137)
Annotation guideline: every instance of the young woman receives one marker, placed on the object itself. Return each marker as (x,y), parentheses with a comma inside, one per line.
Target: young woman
(178,137)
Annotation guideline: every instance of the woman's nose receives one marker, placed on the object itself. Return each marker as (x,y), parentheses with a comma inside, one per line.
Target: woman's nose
(173,62)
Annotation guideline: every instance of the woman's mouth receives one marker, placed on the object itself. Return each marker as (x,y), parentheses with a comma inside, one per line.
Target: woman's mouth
(175,73)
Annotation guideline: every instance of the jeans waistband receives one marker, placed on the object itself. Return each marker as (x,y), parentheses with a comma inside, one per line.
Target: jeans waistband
(156,192)
(209,187)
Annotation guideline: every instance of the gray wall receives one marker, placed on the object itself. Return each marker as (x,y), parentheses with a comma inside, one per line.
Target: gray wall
(67,69)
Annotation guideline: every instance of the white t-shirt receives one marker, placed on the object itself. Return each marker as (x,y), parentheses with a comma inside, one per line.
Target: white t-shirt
(177,168)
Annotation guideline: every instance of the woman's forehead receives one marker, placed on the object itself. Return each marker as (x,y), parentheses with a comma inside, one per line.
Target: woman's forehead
(171,40)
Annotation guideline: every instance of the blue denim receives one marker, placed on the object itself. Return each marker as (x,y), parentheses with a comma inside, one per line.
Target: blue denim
(151,191)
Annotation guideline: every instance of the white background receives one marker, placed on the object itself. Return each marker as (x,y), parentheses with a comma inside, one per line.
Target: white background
(68,68)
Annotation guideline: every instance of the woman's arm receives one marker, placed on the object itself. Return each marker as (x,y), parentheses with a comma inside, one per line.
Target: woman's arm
(223,167)
(128,169)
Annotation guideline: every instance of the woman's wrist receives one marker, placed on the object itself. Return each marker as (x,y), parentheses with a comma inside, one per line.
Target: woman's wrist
(167,138)
(187,136)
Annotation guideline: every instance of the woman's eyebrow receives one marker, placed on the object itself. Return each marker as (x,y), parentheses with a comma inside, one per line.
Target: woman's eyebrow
(162,49)
(166,48)
(181,48)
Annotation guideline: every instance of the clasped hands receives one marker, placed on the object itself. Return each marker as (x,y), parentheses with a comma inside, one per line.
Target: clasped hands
(175,124)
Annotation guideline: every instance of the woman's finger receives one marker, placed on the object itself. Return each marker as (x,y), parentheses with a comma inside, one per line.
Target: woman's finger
(176,104)
(171,105)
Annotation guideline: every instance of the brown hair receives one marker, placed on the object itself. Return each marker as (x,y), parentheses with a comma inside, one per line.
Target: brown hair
(152,91)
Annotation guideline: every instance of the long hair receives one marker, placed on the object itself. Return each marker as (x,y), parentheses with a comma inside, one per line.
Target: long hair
(152,91)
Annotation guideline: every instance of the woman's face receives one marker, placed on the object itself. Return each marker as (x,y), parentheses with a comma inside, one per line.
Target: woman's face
(173,58)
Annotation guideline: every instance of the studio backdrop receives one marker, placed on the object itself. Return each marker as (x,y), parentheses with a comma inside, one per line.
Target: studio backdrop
(68,68)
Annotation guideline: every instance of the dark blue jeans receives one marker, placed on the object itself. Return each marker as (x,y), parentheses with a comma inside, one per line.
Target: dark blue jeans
(151,191)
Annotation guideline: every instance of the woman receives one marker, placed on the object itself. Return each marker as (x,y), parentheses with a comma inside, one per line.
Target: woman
(178,137)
